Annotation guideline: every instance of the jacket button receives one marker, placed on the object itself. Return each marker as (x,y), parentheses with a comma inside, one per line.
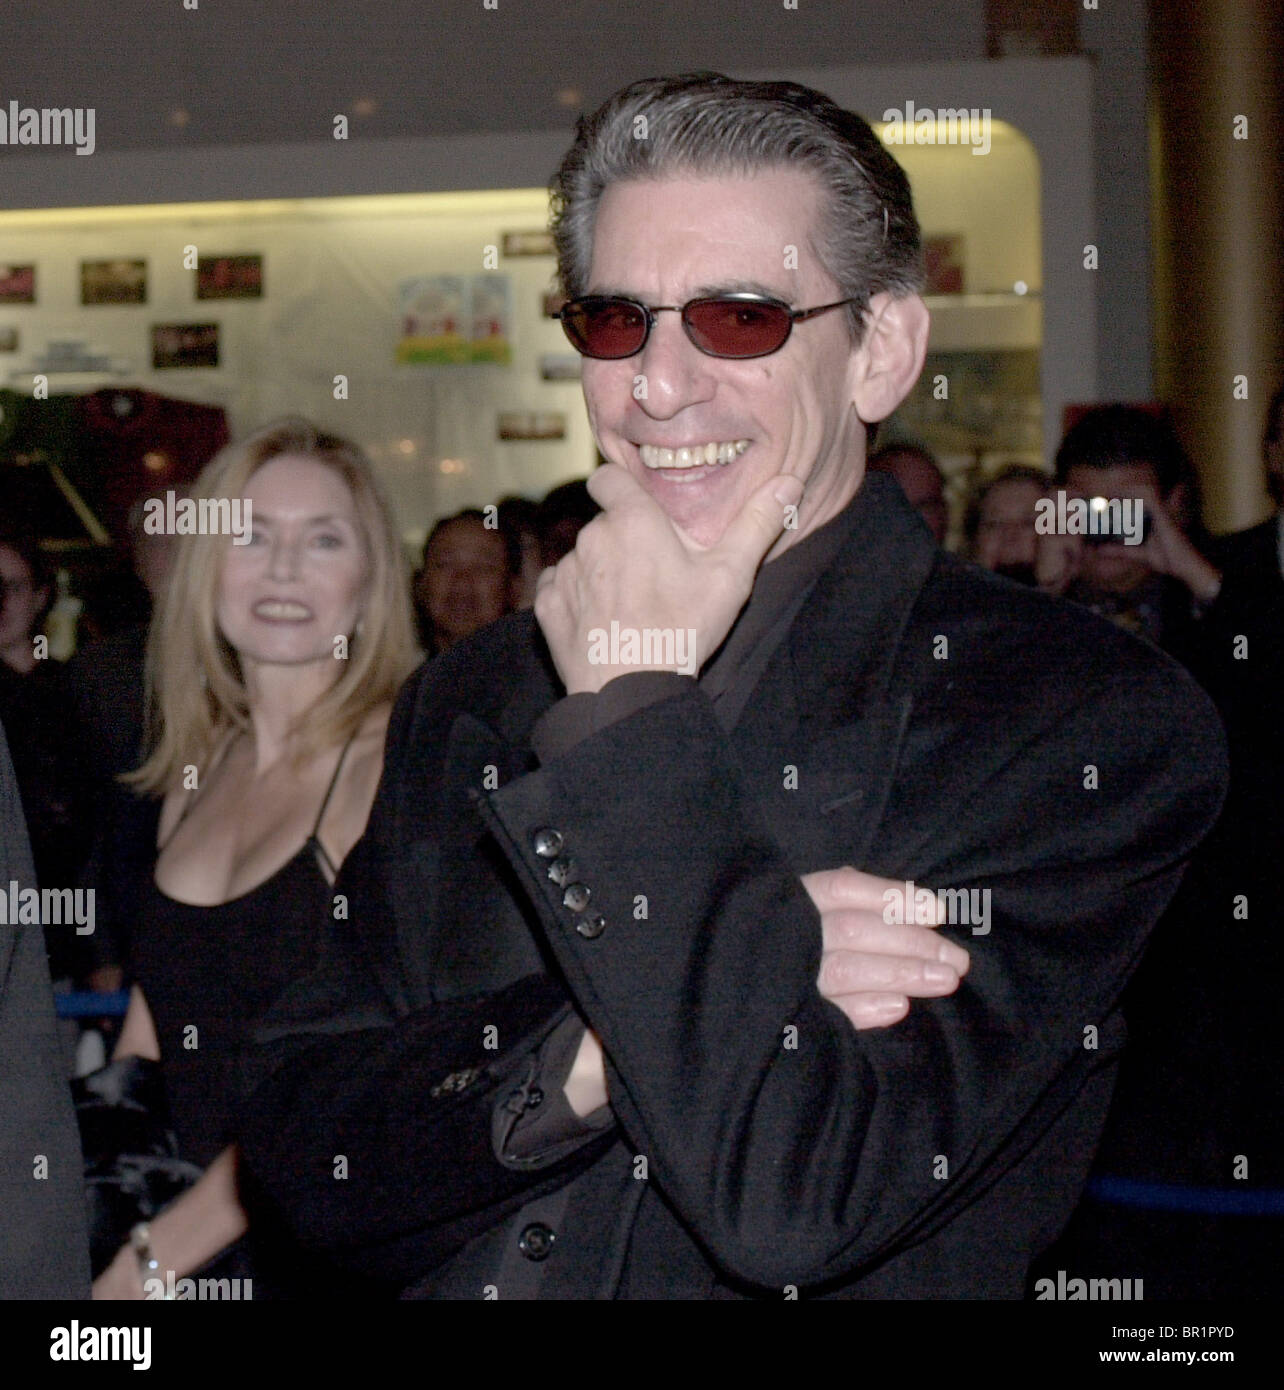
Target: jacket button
(547,842)
(536,1241)
(562,871)
(591,927)
(576,897)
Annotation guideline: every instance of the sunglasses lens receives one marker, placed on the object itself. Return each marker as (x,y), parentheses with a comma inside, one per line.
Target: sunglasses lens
(736,327)
(604,328)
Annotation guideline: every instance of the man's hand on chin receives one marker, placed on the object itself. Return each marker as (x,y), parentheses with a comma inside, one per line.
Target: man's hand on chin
(632,567)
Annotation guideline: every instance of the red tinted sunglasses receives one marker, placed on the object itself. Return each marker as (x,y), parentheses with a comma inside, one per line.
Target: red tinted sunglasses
(725,325)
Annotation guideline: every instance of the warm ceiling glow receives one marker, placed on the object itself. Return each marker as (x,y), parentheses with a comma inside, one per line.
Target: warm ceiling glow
(453,466)
(569,97)
(179,117)
(501,203)
(365,106)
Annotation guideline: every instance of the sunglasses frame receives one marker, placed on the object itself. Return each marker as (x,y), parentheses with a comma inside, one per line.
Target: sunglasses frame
(650,311)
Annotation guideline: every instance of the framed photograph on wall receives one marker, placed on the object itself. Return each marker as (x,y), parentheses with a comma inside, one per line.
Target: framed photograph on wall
(436,321)
(560,366)
(177,345)
(944,261)
(538,243)
(531,424)
(17,284)
(8,339)
(229,277)
(113,282)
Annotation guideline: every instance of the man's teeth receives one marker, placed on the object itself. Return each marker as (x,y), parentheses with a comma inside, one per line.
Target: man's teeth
(270,609)
(694,457)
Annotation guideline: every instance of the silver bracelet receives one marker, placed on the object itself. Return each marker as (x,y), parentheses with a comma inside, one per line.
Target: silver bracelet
(140,1240)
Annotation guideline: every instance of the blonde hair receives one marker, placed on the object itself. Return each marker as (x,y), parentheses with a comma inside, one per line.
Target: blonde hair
(196,691)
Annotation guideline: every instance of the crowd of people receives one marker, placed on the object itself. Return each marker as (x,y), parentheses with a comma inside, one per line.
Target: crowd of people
(310,863)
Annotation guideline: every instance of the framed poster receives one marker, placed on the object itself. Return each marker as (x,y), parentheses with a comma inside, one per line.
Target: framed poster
(944,261)
(531,424)
(435,321)
(113,282)
(229,277)
(17,284)
(537,243)
(491,319)
(560,366)
(176,345)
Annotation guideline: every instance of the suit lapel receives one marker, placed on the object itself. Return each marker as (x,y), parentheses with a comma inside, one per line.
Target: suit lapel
(827,704)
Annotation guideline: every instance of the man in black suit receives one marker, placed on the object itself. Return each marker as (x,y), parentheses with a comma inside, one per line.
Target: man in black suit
(652,794)
(44,1247)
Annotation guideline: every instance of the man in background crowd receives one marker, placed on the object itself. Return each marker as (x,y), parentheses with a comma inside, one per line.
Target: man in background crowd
(1163,588)
(469,577)
(1000,522)
(920,479)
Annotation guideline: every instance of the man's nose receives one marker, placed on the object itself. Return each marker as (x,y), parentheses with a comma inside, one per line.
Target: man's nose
(675,372)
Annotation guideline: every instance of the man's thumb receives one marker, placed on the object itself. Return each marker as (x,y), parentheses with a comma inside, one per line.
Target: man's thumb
(767,512)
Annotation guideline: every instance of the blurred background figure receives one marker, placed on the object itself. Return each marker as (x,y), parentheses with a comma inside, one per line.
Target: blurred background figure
(1200,1080)
(921,481)
(1164,587)
(562,515)
(519,516)
(470,576)
(106,680)
(1257,554)
(48,749)
(284,730)
(1000,522)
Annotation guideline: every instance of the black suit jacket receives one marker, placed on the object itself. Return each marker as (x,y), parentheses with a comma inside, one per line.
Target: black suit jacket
(44,1245)
(921,720)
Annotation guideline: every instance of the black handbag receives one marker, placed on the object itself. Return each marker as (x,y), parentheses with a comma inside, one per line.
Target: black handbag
(132,1166)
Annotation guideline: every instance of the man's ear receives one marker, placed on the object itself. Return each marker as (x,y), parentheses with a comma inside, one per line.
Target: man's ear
(891,356)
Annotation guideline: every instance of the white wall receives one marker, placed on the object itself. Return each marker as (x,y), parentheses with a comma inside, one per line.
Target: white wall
(331,271)
(329,305)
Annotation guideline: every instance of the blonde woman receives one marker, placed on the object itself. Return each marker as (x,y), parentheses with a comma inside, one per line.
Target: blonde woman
(272,666)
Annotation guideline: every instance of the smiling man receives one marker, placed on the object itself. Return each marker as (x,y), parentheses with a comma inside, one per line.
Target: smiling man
(761,1083)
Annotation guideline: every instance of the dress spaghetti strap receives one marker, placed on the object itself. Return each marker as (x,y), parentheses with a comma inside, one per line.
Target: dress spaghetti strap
(317,846)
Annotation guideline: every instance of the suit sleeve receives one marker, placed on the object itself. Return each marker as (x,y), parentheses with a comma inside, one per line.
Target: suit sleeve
(797,1149)
(382,1126)
(381,1147)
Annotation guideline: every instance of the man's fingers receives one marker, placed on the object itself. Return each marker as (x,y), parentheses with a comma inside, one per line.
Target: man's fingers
(862,931)
(873,1010)
(862,972)
(833,889)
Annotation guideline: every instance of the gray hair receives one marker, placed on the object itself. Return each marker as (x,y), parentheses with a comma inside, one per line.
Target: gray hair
(705,123)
